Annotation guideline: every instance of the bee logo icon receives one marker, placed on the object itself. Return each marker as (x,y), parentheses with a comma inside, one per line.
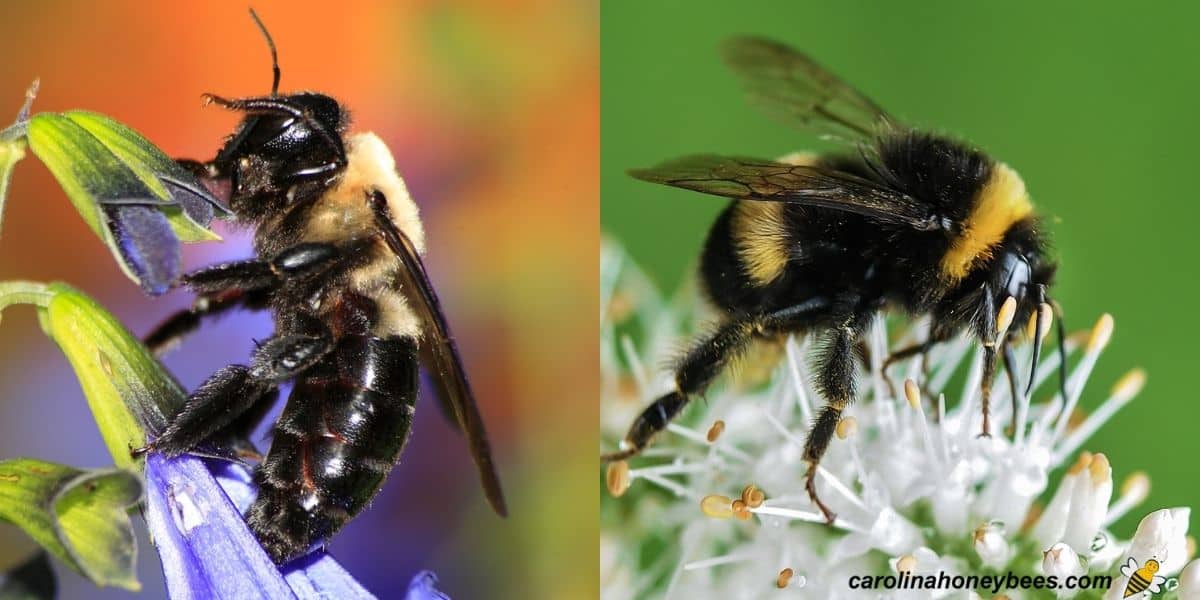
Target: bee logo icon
(1143,579)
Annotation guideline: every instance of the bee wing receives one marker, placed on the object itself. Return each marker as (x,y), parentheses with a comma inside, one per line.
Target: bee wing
(1129,567)
(444,356)
(755,179)
(792,86)
(1156,585)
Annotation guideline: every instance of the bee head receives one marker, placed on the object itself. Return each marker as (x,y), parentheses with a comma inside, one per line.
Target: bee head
(288,148)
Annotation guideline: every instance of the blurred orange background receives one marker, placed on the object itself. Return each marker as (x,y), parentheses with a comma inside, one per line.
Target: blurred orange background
(491,109)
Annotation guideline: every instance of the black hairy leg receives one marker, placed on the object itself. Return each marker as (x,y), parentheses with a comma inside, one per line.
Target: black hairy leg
(986,328)
(921,348)
(176,327)
(1010,364)
(701,365)
(244,283)
(229,393)
(303,260)
(236,435)
(835,381)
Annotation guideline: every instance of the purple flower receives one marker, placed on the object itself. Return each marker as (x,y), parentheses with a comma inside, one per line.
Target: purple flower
(194,512)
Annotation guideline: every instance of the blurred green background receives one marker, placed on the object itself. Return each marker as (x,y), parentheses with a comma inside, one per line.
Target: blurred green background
(1094,104)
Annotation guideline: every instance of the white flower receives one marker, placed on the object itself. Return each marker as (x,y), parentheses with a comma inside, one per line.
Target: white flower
(1062,561)
(1162,535)
(1189,581)
(907,475)
(991,546)
(1090,494)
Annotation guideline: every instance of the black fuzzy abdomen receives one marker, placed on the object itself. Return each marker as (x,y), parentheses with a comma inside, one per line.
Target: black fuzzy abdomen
(344,427)
(829,253)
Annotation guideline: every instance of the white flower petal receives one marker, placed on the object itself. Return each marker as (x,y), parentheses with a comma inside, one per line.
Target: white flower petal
(1162,535)
(1189,581)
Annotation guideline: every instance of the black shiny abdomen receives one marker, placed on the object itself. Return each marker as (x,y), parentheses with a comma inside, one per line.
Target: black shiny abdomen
(344,427)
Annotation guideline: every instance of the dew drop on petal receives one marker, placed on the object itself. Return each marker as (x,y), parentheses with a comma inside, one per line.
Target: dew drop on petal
(1029,481)
(1171,584)
(1099,542)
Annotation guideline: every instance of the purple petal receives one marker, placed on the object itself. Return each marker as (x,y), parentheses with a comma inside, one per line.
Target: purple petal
(147,244)
(206,548)
(317,575)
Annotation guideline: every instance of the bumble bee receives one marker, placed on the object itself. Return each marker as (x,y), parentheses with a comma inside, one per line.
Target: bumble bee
(911,221)
(338,246)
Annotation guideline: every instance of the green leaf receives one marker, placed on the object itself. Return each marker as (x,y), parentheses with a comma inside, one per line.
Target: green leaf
(147,162)
(79,516)
(11,152)
(116,179)
(128,391)
(89,173)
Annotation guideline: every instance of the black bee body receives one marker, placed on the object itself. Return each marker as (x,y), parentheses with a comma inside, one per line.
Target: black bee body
(762,257)
(343,429)
(338,243)
(913,222)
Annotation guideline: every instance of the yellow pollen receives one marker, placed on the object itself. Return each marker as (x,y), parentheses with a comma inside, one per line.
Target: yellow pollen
(1101,333)
(846,427)
(1130,384)
(714,432)
(617,478)
(1100,470)
(1005,316)
(912,393)
(785,576)
(981,532)
(716,506)
(1081,463)
(747,491)
(1136,485)
(740,510)
(906,564)
(756,499)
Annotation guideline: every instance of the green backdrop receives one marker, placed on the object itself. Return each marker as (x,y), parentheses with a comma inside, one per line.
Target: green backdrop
(1096,105)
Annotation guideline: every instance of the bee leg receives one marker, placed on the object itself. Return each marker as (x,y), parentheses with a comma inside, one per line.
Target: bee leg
(247,283)
(701,365)
(239,432)
(224,396)
(986,330)
(906,352)
(174,328)
(246,275)
(232,391)
(835,380)
(1010,362)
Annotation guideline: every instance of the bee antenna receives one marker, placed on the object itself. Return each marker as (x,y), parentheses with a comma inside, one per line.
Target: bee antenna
(274,55)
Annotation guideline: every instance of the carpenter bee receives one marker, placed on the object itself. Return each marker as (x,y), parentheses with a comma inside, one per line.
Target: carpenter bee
(338,246)
(910,221)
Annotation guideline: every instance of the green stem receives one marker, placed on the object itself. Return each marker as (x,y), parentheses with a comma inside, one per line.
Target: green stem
(24,292)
